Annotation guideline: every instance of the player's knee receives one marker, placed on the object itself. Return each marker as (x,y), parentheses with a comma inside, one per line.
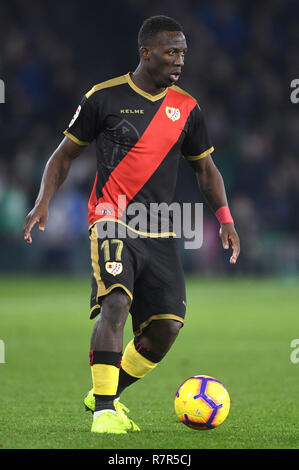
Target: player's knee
(172,328)
(163,331)
(115,308)
(160,335)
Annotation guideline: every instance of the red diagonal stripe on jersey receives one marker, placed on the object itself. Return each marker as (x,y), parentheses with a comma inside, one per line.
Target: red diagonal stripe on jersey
(92,201)
(144,158)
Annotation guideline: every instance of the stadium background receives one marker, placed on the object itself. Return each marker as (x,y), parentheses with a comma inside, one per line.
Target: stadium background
(242,57)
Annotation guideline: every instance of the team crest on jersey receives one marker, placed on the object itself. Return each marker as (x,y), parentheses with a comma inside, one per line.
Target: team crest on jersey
(75,116)
(113,267)
(173,113)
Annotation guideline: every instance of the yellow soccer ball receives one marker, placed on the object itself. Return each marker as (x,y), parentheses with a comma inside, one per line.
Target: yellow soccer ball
(202,402)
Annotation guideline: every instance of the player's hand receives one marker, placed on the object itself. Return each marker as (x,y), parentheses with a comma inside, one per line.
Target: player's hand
(38,215)
(229,237)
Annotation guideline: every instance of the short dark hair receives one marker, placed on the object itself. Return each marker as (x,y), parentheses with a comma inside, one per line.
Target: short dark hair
(154,25)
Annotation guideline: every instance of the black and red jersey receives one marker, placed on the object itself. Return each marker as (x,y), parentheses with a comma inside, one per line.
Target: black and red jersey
(139,141)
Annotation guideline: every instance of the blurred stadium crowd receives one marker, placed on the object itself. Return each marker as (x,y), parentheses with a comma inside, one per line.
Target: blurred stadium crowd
(242,57)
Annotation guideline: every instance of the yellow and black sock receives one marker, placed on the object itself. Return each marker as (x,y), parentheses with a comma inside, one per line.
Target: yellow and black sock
(105,376)
(137,361)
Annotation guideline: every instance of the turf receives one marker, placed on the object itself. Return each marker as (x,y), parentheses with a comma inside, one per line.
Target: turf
(238,331)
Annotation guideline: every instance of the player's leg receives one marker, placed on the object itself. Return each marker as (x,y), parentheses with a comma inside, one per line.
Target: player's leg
(106,348)
(159,335)
(105,357)
(145,351)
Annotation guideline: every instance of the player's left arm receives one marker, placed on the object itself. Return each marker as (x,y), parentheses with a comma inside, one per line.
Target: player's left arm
(212,187)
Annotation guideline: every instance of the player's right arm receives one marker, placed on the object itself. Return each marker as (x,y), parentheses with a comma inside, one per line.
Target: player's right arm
(54,175)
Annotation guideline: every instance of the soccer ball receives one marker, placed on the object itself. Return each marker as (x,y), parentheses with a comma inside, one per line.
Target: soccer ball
(201,402)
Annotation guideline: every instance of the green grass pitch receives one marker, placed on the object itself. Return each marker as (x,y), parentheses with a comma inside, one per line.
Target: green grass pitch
(238,331)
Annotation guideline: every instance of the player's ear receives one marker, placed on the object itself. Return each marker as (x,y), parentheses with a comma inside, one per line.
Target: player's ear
(145,52)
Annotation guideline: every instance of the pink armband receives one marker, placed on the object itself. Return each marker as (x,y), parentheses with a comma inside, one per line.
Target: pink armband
(224,216)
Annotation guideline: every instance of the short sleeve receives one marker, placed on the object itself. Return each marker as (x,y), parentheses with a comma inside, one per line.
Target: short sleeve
(197,143)
(84,126)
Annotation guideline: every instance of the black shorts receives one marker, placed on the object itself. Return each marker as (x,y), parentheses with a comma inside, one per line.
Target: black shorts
(148,269)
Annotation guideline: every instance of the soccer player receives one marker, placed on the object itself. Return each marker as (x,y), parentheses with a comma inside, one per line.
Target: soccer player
(142,123)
